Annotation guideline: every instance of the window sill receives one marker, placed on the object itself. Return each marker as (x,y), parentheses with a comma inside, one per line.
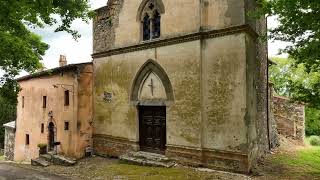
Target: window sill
(151,40)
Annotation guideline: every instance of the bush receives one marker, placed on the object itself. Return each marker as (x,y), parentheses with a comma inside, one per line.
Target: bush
(42,145)
(314,140)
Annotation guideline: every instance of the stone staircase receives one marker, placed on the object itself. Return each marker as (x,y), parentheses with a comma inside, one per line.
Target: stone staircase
(147,159)
(45,160)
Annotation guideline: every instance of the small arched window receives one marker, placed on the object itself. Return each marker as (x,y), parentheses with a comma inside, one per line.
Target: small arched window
(146,27)
(156,22)
(151,21)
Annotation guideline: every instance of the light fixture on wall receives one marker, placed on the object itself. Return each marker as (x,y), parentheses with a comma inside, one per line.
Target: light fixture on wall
(50,114)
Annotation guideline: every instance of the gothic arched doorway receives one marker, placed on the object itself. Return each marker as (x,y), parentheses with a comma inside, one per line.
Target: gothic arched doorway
(152,93)
(51,136)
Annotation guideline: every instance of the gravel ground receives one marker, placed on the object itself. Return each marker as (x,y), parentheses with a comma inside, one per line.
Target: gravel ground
(97,168)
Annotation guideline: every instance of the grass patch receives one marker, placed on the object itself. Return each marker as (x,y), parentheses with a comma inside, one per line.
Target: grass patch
(313,140)
(306,161)
(1,158)
(141,172)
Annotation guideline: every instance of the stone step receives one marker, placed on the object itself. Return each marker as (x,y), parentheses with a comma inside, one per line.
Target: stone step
(59,159)
(40,162)
(47,157)
(146,159)
(64,161)
(149,156)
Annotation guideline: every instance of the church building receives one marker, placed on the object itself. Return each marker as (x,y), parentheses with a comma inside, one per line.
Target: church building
(183,78)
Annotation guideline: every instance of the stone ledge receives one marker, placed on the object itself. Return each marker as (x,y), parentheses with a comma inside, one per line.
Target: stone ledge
(176,40)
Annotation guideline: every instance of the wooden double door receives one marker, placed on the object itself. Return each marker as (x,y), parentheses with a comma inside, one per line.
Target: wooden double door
(152,128)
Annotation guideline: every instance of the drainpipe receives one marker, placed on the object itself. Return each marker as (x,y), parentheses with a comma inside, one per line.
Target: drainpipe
(268,104)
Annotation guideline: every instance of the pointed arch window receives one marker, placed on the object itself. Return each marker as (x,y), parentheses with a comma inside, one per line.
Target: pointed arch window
(151,21)
(146,27)
(156,22)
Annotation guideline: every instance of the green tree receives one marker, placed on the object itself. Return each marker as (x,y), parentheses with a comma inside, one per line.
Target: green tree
(7,114)
(299,24)
(312,121)
(285,75)
(21,49)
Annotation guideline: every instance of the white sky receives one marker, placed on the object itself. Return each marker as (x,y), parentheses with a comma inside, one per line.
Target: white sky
(81,50)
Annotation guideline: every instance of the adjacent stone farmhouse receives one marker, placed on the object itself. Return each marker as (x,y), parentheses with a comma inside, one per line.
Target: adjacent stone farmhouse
(183,78)
(55,108)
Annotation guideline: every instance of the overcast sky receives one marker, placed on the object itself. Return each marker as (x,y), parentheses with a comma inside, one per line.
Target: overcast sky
(81,50)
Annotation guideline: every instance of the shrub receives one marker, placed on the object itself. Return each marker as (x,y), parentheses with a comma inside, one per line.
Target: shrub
(314,140)
(42,145)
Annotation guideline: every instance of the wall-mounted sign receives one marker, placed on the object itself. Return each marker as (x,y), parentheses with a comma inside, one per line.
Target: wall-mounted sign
(107,97)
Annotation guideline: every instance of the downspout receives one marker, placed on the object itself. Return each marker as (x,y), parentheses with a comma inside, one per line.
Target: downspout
(268,104)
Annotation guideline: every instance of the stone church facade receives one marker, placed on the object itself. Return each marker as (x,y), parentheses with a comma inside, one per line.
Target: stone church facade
(183,78)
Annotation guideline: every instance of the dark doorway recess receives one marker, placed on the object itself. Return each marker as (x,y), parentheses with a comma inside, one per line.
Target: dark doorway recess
(152,128)
(51,136)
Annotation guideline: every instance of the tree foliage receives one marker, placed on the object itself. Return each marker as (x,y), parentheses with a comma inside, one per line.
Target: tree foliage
(7,114)
(312,121)
(21,49)
(295,81)
(285,76)
(299,24)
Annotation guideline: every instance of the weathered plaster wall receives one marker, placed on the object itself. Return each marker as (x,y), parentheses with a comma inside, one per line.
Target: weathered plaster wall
(30,118)
(115,74)
(290,118)
(9,140)
(224,93)
(85,110)
(218,14)
(115,23)
(219,111)
(78,113)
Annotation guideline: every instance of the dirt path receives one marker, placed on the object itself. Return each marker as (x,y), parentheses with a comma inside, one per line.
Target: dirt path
(11,172)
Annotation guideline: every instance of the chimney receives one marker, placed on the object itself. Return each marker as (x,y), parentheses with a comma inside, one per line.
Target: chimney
(62,61)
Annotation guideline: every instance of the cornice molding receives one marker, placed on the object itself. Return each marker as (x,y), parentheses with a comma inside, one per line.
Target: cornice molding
(177,40)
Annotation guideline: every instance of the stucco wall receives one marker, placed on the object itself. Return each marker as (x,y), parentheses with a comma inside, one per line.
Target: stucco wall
(78,113)
(218,114)
(224,93)
(218,14)
(115,74)
(85,110)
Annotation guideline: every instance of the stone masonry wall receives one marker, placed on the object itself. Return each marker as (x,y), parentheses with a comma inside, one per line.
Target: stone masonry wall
(273,132)
(104,24)
(290,118)
(9,144)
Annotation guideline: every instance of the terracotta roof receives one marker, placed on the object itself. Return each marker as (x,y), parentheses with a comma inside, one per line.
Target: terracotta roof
(48,72)
(11,124)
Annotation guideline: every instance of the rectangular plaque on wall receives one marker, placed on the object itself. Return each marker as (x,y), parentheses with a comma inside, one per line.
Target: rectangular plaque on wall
(107,97)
